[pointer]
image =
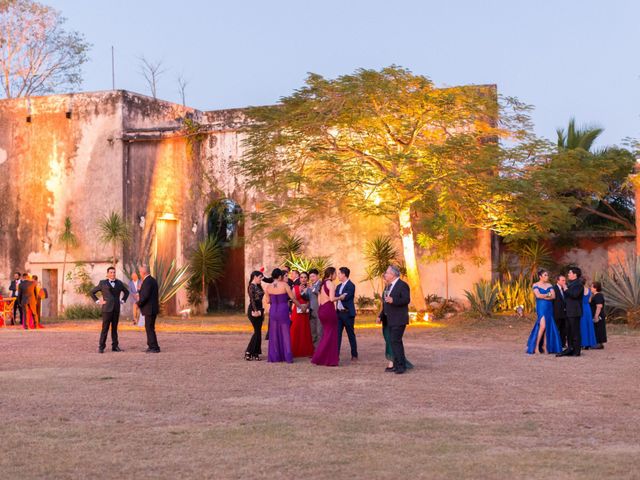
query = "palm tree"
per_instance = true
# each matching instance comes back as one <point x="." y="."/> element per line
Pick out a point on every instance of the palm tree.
<point x="379" y="253"/>
<point x="69" y="240"/>
<point x="113" y="230"/>
<point x="206" y="264"/>
<point x="574" y="138"/>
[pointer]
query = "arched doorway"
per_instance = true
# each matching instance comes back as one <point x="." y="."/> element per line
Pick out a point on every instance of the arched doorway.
<point x="224" y="223"/>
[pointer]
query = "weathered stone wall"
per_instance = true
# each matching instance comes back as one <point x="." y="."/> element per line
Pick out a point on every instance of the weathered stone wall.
<point x="56" y="167"/>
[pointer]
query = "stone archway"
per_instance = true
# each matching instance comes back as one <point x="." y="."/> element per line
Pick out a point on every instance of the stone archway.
<point x="224" y="223"/>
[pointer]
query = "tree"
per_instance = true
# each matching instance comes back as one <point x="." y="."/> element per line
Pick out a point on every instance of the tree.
<point x="573" y="137"/>
<point x="114" y="230"/>
<point x="380" y="143"/>
<point x="37" y="55"/>
<point x="69" y="240"/>
<point x="152" y="71"/>
<point x="182" y="87"/>
<point x="206" y="265"/>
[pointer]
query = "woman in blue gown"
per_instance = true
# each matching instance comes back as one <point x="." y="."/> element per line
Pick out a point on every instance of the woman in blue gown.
<point x="587" y="329"/>
<point x="545" y="331"/>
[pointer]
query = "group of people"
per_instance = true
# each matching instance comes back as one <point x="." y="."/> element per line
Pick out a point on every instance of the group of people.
<point x="114" y="293"/>
<point x="570" y="315"/>
<point x="308" y="315"/>
<point x="28" y="294"/>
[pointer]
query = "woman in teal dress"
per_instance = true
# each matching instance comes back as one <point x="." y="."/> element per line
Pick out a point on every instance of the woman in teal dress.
<point x="388" y="353"/>
<point x="545" y="330"/>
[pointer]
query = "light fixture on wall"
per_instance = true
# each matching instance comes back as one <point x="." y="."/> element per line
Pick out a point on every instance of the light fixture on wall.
<point x="142" y="221"/>
<point x="194" y="228"/>
<point x="28" y="110"/>
<point x="168" y="216"/>
<point x="46" y="245"/>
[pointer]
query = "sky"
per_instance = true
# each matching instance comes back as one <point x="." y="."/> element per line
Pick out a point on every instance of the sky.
<point x="567" y="58"/>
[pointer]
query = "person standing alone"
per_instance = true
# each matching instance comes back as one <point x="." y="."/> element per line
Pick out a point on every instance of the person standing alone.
<point x="149" y="305"/>
<point x="111" y="290"/>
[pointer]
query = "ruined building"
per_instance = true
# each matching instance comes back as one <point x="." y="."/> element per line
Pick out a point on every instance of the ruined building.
<point x="162" y="166"/>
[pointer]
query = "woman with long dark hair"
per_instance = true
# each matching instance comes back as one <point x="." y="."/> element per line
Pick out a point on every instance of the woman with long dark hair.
<point x="544" y="336"/>
<point x="255" y="312"/>
<point x="279" y="321"/>
<point x="597" y="313"/>
<point x="327" y="352"/>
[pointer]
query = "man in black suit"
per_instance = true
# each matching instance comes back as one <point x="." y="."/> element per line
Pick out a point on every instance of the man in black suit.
<point x="28" y="301"/>
<point x="111" y="289"/>
<point x="13" y="288"/>
<point x="345" y="293"/>
<point x="560" y="308"/>
<point x="573" y="296"/>
<point x="149" y="305"/>
<point x="395" y="313"/>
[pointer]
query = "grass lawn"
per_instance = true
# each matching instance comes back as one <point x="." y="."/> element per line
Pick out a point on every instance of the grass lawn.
<point x="474" y="407"/>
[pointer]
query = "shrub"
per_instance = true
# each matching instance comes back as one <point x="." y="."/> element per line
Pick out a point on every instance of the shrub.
<point x="365" y="302"/>
<point x="512" y="293"/>
<point x="81" y="312"/>
<point x="482" y="298"/>
<point x="621" y="289"/>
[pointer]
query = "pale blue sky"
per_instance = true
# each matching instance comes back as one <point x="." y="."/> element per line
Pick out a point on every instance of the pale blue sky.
<point x="572" y="57"/>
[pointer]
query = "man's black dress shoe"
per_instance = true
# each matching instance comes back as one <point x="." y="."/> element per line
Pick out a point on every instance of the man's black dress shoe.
<point x="117" y="349"/>
<point x="101" y="350"/>
<point x="400" y="372"/>
<point x="390" y="369"/>
<point x="152" y="350"/>
<point x="565" y="353"/>
<point x="599" y="347"/>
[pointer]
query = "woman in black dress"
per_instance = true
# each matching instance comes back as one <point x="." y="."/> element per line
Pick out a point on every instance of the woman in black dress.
<point x="597" y="312"/>
<point x="255" y="312"/>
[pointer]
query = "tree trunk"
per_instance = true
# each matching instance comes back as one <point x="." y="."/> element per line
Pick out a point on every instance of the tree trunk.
<point x="411" y="263"/>
<point x="64" y="267"/>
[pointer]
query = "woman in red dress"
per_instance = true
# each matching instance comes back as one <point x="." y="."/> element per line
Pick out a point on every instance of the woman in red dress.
<point x="301" y="342"/>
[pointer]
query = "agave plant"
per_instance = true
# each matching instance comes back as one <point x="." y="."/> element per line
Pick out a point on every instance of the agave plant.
<point x="621" y="288"/>
<point x="304" y="264"/>
<point x="514" y="293"/>
<point x="170" y="278"/>
<point x="482" y="298"/>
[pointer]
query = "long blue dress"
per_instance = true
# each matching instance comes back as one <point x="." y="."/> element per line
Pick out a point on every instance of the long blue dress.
<point x="587" y="329"/>
<point x="279" y="324"/>
<point x="544" y="308"/>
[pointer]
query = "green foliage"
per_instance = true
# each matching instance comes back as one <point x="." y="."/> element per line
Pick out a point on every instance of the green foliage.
<point x="113" y="230"/>
<point x="68" y="238"/>
<point x="304" y="264"/>
<point x="621" y="289"/>
<point x="532" y="256"/>
<point x="379" y="254"/>
<point x="482" y="298"/>
<point x="575" y="137"/>
<point x="289" y="246"/>
<point x="206" y="265"/>
<point x="81" y="279"/>
<point x="363" y="302"/>
<point x="512" y="293"/>
<point x="82" y="312"/>
<point x="170" y="278"/>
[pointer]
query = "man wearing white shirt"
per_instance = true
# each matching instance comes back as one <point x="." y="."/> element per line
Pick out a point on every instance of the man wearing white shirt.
<point x="346" y="292"/>
<point x="111" y="289"/>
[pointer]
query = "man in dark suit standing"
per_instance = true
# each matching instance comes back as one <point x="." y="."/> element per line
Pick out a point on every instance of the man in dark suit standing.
<point x="573" y="296"/>
<point x="149" y="305"/>
<point x="28" y="301"/>
<point x="111" y="289"/>
<point x="346" y="292"/>
<point x="560" y="308"/>
<point x="395" y="313"/>
<point x="13" y="288"/>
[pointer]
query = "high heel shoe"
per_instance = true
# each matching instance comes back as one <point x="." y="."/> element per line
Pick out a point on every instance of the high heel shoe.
<point x="248" y="357"/>
<point x="257" y="358"/>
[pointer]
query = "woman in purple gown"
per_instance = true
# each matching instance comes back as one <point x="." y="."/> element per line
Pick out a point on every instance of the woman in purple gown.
<point x="279" y="321"/>
<point x="327" y="351"/>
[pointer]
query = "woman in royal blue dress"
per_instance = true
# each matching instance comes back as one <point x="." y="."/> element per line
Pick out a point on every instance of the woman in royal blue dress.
<point x="587" y="330"/>
<point x="544" y="337"/>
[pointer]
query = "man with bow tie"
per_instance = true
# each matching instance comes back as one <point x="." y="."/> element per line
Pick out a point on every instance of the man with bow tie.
<point x="111" y="289"/>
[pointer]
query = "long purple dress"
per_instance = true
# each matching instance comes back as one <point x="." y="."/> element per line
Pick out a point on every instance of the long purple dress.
<point x="279" y="324"/>
<point x="327" y="352"/>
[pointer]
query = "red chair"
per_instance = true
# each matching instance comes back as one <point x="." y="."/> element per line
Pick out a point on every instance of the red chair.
<point x="2" y="302"/>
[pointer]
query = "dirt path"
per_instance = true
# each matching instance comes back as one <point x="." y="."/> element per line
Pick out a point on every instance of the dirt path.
<point x="474" y="407"/>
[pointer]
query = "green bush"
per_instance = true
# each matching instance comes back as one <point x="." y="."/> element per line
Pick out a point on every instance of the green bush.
<point x="365" y="302"/>
<point x="515" y="292"/>
<point x="482" y="298"/>
<point x="81" y="312"/>
<point x="621" y="289"/>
